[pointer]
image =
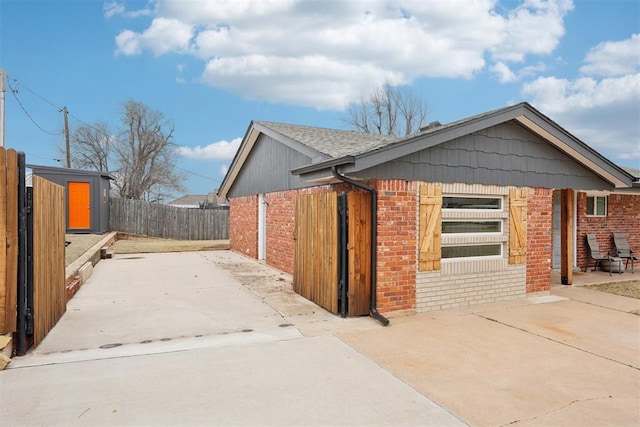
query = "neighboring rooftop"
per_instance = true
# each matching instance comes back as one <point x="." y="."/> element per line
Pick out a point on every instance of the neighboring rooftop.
<point x="196" y="200"/>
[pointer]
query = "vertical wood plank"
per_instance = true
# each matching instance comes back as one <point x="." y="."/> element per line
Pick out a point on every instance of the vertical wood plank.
<point x="316" y="249"/>
<point x="12" y="242"/>
<point x="430" y="239"/>
<point x="517" y="225"/>
<point x="359" y="247"/>
<point x="49" y="297"/>
<point x="4" y="285"/>
<point x="566" y="236"/>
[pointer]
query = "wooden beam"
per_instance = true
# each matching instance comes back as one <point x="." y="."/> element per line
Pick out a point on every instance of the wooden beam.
<point x="567" y="239"/>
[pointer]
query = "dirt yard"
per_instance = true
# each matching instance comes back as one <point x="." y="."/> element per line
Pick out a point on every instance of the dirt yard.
<point x="128" y="244"/>
<point x="630" y="288"/>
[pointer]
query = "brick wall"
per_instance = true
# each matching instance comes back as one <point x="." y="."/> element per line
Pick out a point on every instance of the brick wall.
<point x="448" y="288"/>
<point x="539" y="239"/>
<point x="397" y="234"/>
<point x="280" y="228"/>
<point x="463" y="283"/>
<point x="243" y="225"/>
<point x="623" y="216"/>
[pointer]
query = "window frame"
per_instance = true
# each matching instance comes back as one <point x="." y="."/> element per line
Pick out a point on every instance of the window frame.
<point x="454" y="240"/>
<point x="595" y="198"/>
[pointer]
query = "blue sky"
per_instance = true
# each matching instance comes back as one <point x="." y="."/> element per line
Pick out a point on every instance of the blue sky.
<point x="213" y="66"/>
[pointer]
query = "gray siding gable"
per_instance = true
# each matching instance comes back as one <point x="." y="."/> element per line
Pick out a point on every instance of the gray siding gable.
<point x="505" y="154"/>
<point x="267" y="167"/>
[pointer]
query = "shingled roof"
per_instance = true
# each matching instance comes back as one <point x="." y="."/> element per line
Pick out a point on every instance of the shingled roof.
<point x="332" y="142"/>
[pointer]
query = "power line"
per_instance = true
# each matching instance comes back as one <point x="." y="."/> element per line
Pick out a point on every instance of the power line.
<point x="39" y="96"/>
<point x="14" y="92"/>
<point x="197" y="174"/>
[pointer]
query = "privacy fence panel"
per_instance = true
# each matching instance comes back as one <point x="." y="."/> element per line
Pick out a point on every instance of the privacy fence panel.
<point x="8" y="239"/>
<point x="169" y="222"/>
<point x="49" y="296"/>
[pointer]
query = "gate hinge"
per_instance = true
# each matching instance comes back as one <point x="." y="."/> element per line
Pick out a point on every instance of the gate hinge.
<point x="29" y="318"/>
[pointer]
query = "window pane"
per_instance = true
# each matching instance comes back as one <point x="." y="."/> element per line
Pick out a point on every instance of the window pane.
<point x="471" y="227"/>
<point x="470" y="251"/>
<point x="590" y="205"/>
<point x="471" y="203"/>
<point x="601" y="208"/>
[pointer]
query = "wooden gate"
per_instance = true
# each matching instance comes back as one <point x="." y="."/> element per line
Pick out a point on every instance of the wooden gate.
<point x="49" y="297"/>
<point x="8" y="239"/>
<point x="359" y="250"/>
<point x="315" y="270"/>
<point x="317" y="251"/>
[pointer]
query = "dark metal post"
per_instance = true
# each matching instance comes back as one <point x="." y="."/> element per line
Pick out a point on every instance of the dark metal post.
<point x="21" y="332"/>
<point x="343" y="253"/>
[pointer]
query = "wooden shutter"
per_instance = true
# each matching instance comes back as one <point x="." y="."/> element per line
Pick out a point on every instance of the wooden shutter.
<point x="430" y="227"/>
<point x="517" y="225"/>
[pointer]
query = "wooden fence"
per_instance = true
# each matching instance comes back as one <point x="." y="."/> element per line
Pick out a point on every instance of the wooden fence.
<point x="49" y="296"/>
<point x="8" y="239"/>
<point x="169" y="222"/>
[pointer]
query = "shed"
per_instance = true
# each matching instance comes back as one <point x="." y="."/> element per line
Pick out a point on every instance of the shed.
<point x="86" y="195"/>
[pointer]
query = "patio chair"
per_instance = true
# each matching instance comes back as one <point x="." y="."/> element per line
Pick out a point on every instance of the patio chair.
<point x="598" y="257"/>
<point x="623" y="250"/>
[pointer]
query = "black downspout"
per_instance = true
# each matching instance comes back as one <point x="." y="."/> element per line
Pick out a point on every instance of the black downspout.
<point x="374" y="240"/>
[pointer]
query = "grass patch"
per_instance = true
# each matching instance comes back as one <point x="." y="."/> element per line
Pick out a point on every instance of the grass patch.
<point x="630" y="288"/>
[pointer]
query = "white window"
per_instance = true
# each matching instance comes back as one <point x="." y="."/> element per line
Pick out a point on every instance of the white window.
<point x="472" y="226"/>
<point x="596" y="205"/>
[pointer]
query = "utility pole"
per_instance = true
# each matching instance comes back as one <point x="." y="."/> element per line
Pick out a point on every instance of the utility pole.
<point x="66" y="135"/>
<point x="3" y="91"/>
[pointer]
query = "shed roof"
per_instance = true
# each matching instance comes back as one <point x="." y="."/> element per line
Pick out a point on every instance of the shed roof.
<point x="38" y="169"/>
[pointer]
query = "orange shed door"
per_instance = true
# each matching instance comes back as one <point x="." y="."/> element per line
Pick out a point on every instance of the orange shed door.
<point x="79" y="205"/>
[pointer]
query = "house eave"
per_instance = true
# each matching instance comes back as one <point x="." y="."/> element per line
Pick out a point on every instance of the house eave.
<point x="522" y="113"/>
<point x="340" y="161"/>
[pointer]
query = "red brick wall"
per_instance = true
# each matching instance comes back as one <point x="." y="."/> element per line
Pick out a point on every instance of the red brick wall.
<point x="280" y="228"/>
<point x="623" y="216"/>
<point x="243" y="225"/>
<point x="539" y="239"/>
<point x="397" y="234"/>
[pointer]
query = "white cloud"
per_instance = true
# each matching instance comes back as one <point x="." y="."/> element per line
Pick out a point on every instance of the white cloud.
<point x="325" y="54"/>
<point x="221" y="150"/>
<point x="163" y="36"/>
<point x="505" y="74"/>
<point x="113" y="8"/>
<point x="534" y="27"/>
<point x="223" y="170"/>
<point x="614" y="58"/>
<point x="602" y="113"/>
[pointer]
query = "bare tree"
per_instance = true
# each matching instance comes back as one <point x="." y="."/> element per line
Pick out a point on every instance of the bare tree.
<point x="387" y="110"/>
<point x="141" y="156"/>
<point x="91" y="147"/>
<point x="145" y="153"/>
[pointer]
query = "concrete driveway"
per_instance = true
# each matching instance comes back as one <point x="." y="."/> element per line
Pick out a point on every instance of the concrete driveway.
<point x="202" y="338"/>
<point x="215" y="338"/>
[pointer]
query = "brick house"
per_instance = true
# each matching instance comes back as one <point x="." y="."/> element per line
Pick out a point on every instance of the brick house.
<point x="456" y="215"/>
